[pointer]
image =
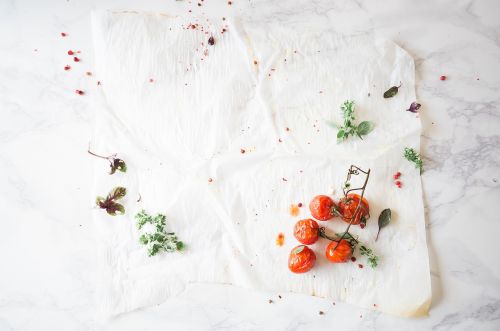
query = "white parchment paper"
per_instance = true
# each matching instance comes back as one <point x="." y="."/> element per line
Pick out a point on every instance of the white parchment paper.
<point x="179" y="111"/>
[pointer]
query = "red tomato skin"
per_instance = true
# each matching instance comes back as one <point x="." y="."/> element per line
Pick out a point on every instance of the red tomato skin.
<point x="347" y="209"/>
<point x="321" y="207"/>
<point x="306" y="231"/>
<point x="342" y="254"/>
<point x="301" y="261"/>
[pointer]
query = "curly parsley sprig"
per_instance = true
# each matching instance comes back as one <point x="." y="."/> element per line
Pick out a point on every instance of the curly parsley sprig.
<point x="160" y="240"/>
<point x="350" y="128"/>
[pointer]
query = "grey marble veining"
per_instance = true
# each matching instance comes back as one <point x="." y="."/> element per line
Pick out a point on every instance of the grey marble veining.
<point x="46" y="246"/>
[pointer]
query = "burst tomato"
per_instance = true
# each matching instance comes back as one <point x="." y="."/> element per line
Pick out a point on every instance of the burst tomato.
<point x="301" y="259"/>
<point x="347" y="207"/>
<point x="341" y="254"/>
<point x="322" y="207"/>
<point x="306" y="231"/>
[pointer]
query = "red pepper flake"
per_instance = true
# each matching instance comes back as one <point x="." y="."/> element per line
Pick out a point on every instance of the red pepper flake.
<point x="242" y="151"/>
<point x="284" y="179"/>
<point x="375" y="305"/>
<point x="360" y="266"/>
<point x="193" y="26"/>
<point x="353" y="259"/>
<point x="151" y="80"/>
<point x="255" y="62"/>
<point x="63" y="34"/>
<point x="300" y="204"/>
<point x="211" y="41"/>
<point x="280" y="239"/>
<point x="98" y="82"/>
<point x="287" y="129"/>
<point x="442" y="78"/>
<point x="67" y="67"/>
<point x="88" y="73"/>
<point x="80" y="92"/>
<point x="70" y="52"/>
<point x="76" y="59"/>
<point x="210" y="180"/>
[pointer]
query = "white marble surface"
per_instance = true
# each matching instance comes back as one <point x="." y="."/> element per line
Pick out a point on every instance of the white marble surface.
<point x="46" y="246"/>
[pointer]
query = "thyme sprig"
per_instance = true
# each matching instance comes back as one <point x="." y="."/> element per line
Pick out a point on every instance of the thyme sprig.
<point x="159" y="240"/>
<point x="411" y="155"/>
<point x="372" y="258"/>
<point x="350" y="128"/>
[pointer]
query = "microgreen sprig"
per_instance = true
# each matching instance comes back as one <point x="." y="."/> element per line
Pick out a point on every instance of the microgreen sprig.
<point x="114" y="162"/>
<point x="350" y="128"/>
<point x="372" y="258"/>
<point x="109" y="203"/>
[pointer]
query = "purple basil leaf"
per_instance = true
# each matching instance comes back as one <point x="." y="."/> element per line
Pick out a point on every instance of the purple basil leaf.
<point x="414" y="107"/>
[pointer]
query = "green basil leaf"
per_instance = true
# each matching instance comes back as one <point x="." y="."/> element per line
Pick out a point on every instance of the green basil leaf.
<point x="383" y="220"/>
<point x="365" y="128"/>
<point x="391" y="92"/>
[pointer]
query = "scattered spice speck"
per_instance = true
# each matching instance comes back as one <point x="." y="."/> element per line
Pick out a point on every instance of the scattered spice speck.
<point x="151" y="80"/>
<point x="284" y="179"/>
<point x="279" y="296"/>
<point x="255" y="62"/>
<point x="321" y="312"/>
<point x="398" y="183"/>
<point x="210" y="180"/>
<point x="67" y="67"/>
<point x="70" y="52"/>
<point x="88" y="73"/>
<point x="76" y="59"/>
<point x="299" y="204"/>
<point x="242" y="151"/>
<point x="229" y="3"/>
<point x="397" y="175"/>
<point x="287" y="129"/>
<point x="63" y="34"/>
<point x="270" y="301"/>
<point x="280" y="239"/>
<point x="442" y="78"/>
<point x="360" y="266"/>
<point x="375" y="305"/>
<point x="80" y="92"/>
<point x="211" y="41"/>
<point x="353" y="259"/>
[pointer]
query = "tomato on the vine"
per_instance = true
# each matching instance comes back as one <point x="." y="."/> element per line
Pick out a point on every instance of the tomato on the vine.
<point x="301" y="259"/>
<point x="322" y="207"/>
<point x="306" y="231"/>
<point x="339" y="252"/>
<point x="347" y="207"/>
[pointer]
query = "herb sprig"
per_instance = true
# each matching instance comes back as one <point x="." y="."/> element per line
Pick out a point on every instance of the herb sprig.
<point x="350" y="128"/>
<point x="411" y="155"/>
<point x="372" y="258"/>
<point x="114" y="162"/>
<point x="160" y="240"/>
<point x="109" y="203"/>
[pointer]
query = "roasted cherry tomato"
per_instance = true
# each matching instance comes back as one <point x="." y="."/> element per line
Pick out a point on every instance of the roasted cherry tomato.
<point x="347" y="207"/>
<point x="306" y="231"/>
<point x="301" y="259"/>
<point x="322" y="207"/>
<point x="341" y="254"/>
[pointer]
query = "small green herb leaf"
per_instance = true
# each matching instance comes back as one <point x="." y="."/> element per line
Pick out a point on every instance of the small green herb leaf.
<point x="392" y="91"/>
<point x="383" y="220"/>
<point x="365" y="128"/>
<point x="114" y="208"/>
<point x="372" y="258"/>
<point x="117" y="193"/>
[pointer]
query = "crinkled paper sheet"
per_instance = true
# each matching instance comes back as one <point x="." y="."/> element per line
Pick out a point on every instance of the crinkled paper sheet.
<point x="190" y="123"/>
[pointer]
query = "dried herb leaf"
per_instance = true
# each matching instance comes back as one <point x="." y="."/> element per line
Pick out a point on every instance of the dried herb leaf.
<point x="364" y="128"/>
<point x="414" y="107"/>
<point x="392" y="91"/>
<point x="383" y="220"/>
